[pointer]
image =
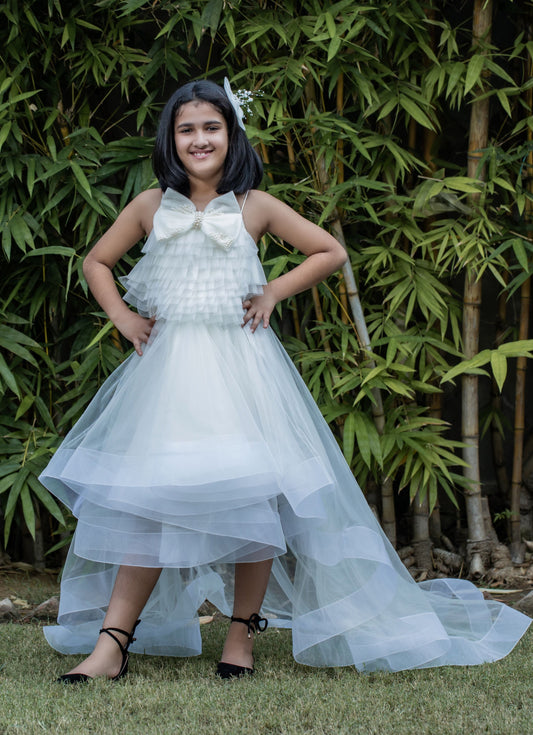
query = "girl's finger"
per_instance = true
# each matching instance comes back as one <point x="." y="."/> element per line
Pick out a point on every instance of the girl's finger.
<point x="256" y="322"/>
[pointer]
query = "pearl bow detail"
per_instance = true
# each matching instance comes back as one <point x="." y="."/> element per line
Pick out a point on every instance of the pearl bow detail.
<point x="221" y="219"/>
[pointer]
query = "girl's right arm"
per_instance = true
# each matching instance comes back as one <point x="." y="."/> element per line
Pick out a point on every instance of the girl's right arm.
<point x="133" y="223"/>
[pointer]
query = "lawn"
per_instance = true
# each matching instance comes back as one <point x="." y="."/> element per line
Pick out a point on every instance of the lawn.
<point x="163" y="695"/>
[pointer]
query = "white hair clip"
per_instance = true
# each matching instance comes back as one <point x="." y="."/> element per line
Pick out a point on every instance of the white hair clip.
<point x="237" y="101"/>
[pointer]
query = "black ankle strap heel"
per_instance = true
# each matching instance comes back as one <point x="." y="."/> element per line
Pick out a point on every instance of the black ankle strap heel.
<point x="79" y="678"/>
<point x="123" y="648"/>
<point x="255" y="624"/>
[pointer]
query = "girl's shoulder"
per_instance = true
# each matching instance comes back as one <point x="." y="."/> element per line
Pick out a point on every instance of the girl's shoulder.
<point x="148" y="200"/>
<point x="260" y="210"/>
<point x="144" y="206"/>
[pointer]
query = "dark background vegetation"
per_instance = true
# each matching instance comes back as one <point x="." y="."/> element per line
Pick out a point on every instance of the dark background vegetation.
<point x="363" y="116"/>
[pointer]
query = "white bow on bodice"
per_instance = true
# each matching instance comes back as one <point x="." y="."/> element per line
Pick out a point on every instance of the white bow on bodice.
<point x="221" y="220"/>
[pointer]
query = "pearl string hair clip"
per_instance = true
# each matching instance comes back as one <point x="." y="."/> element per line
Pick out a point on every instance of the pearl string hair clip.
<point x="241" y="99"/>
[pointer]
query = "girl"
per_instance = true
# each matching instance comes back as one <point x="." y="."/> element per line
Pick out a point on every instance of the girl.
<point x="203" y="457"/>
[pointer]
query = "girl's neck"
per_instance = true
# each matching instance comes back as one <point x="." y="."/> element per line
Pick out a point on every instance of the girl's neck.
<point x="202" y="192"/>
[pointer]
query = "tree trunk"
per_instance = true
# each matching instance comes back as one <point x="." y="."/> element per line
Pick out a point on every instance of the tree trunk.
<point x="478" y="546"/>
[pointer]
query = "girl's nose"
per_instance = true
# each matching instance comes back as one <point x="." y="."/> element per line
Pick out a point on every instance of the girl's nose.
<point x="200" y="138"/>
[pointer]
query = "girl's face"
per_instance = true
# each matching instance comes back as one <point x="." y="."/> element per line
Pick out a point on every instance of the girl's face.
<point x="201" y="139"/>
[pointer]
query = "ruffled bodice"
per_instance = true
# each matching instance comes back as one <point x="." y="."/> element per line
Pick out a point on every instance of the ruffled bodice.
<point x="196" y="265"/>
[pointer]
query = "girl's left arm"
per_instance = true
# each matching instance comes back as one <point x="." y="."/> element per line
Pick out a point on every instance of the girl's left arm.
<point x="264" y="213"/>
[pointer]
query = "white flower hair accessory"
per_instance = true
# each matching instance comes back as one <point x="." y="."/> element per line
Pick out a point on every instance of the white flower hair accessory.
<point x="241" y="99"/>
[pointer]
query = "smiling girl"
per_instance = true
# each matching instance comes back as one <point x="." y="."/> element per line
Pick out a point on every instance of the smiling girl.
<point x="203" y="469"/>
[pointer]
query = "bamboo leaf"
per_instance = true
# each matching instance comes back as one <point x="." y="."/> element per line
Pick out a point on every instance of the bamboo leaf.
<point x="4" y="132"/>
<point x="28" y="511"/>
<point x="416" y="112"/>
<point x="8" y="377"/>
<point x="468" y="366"/>
<point x="7" y="482"/>
<point x="348" y="437"/>
<point x="504" y="101"/>
<point x="108" y="326"/>
<point x="25" y="405"/>
<point x="363" y="439"/>
<point x="81" y="178"/>
<point x="499" y="368"/>
<point x="473" y="71"/>
<point x="464" y="184"/>
<point x="15" y="491"/>
<point x="46" y="499"/>
<point x="520" y="253"/>
<point x="334" y="47"/>
<point x="211" y="15"/>
<point x="51" y="250"/>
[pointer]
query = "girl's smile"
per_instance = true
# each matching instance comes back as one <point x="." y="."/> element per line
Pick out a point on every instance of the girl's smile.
<point x="201" y="139"/>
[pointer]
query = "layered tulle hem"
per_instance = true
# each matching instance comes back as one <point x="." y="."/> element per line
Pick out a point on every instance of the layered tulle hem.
<point x="204" y="466"/>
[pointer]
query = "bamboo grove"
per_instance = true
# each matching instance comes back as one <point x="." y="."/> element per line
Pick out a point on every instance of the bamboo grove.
<point x="403" y="127"/>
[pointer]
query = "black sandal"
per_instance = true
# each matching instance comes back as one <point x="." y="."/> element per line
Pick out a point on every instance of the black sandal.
<point x="255" y="624"/>
<point x="79" y="678"/>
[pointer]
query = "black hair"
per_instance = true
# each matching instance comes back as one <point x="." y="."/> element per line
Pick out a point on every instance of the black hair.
<point x="243" y="169"/>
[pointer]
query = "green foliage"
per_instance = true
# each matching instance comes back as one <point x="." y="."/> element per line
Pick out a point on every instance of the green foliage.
<point x="350" y="99"/>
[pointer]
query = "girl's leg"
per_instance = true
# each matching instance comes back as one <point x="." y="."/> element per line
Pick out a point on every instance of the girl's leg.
<point x="251" y="581"/>
<point x="133" y="586"/>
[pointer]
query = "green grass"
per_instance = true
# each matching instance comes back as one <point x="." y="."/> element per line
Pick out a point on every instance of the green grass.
<point x="163" y="695"/>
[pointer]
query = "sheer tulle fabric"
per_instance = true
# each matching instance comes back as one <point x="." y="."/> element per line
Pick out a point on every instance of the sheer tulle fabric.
<point x="209" y="450"/>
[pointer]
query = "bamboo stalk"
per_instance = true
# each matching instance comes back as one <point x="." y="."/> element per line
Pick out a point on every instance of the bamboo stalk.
<point x="517" y="547"/>
<point x="425" y="525"/>
<point x="498" y="449"/>
<point x="388" y="511"/>
<point x="292" y="165"/>
<point x="340" y="179"/>
<point x="434" y="520"/>
<point x="314" y="290"/>
<point x="421" y="541"/>
<point x="477" y="543"/>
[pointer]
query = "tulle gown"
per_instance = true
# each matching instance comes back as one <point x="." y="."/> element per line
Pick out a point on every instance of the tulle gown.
<point x="209" y="450"/>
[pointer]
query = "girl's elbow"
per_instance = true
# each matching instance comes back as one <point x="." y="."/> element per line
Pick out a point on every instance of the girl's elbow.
<point x="86" y="265"/>
<point x="341" y="257"/>
<point x="337" y="253"/>
<point x="89" y="264"/>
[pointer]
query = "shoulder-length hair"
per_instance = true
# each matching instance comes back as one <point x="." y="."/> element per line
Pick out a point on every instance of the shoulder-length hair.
<point x="243" y="169"/>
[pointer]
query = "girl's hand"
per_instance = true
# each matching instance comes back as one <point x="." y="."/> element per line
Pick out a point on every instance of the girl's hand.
<point x="257" y="309"/>
<point x="135" y="328"/>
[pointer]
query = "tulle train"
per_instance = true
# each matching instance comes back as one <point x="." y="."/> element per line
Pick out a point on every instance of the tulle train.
<point x="207" y="465"/>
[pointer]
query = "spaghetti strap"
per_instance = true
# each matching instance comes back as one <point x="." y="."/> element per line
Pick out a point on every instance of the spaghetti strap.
<point x="244" y="200"/>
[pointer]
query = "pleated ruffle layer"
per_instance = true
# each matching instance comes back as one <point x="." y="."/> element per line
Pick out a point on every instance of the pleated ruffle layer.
<point x="199" y="276"/>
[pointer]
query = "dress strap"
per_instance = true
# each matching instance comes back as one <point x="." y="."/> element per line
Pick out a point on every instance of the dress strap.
<point x="244" y="200"/>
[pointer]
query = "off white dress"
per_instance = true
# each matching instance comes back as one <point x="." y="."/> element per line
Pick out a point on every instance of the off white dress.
<point x="210" y="450"/>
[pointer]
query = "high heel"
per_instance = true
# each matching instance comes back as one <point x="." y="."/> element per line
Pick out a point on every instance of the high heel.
<point x="255" y="624"/>
<point x="79" y="678"/>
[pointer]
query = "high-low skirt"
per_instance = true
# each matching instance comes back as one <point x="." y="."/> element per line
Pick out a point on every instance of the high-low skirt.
<point x="209" y="450"/>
